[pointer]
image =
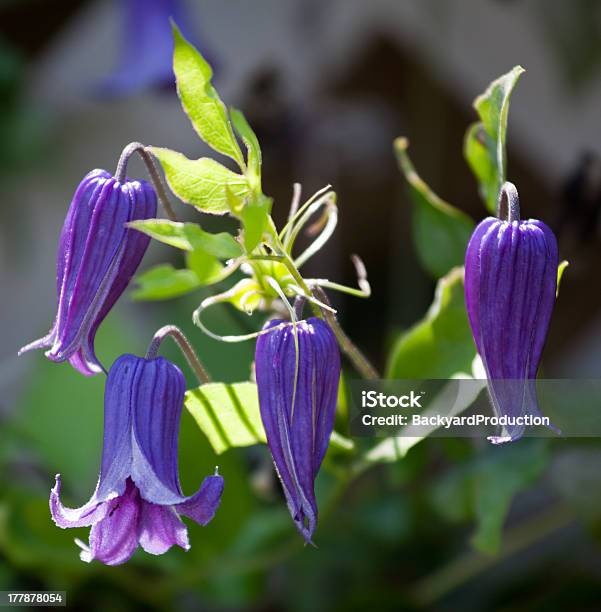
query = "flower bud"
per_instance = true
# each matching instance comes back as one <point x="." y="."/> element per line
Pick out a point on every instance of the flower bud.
<point x="297" y="370"/>
<point x="510" y="286"/>
<point x="97" y="256"/>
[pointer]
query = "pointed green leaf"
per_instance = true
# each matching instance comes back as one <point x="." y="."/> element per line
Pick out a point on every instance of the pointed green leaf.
<point x="254" y="220"/>
<point x="483" y="488"/>
<point x="201" y="101"/>
<point x="252" y="146"/>
<point x="201" y="182"/>
<point x="208" y="269"/>
<point x="441" y="344"/>
<point x="484" y="146"/>
<point x="227" y="414"/>
<point x="189" y="237"/>
<point x="497" y="479"/>
<point x="440" y="231"/>
<point x="164" y="282"/>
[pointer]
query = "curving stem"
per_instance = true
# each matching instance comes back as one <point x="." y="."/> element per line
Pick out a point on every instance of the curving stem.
<point x="185" y="347"/>
<point x="155" y="177"/>
<point x="508" y="206"/>
<point x="359" y="360"/>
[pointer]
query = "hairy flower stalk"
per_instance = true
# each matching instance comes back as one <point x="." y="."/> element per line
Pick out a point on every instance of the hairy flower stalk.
<point x="297" y="370"/>
<point x="510" y="286"/>
<point x="138" y="498"/>
<point x="97" y="257"/>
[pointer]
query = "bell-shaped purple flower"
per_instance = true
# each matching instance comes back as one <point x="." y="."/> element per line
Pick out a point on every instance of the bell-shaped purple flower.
<point x="297" y="370"/>
<point x="146" y="54"/>
<point x="138" y="498"/>
<point x="510" y="286"/>
<point x="97" y="256"/>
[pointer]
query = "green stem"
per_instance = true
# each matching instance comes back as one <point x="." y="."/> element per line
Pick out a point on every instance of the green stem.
<point x="285" y="259"/>
<point x="358" y="359"/>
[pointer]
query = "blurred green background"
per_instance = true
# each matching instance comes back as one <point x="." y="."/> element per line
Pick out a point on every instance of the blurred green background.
<point x="327" y="85"/>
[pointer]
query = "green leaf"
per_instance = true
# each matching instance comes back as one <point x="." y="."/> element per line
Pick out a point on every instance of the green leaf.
<point x="483" y="488"/>
<point x="484" y="146"/>
<point x="189" y="237"/>
<point x="201" y="101"/>
<point x="440" y="231"/>
<point x="246" y="295"/>
<point x="164" y="282"/>
<point x="496" y="480"/>
<point x="208" y="269"/>
<point x="254" y="217"/>
<point x="441" y="344"/>
<point x="227" y="414"/>
<point x="201" y="182"/>
<point x="252" y="146"/>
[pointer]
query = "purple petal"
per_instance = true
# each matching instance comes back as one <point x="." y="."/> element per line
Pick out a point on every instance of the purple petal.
<point x="117" y="445"/>
<point x="510" y="284"/>
<point x="202" y="506"/>
<point x="97" y="257"/>
<point x="146" y="58"/>
<point x="157" y="396"/>
<point x="114" y="539"/>
<point x="85" y="516"/>
<point x="161" y="528"/>
<point x="297" y="397"/>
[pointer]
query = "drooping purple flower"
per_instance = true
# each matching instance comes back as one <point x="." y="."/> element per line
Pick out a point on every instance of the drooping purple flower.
<point x="510" y="286"/>
<point x="97" y="256"/>
<point x="297" y="370"/>
<point x="138" y="498"/>
<point x="146" y="55"/>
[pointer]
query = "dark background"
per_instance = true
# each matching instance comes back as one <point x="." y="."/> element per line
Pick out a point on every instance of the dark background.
<point x="327" y="86"/>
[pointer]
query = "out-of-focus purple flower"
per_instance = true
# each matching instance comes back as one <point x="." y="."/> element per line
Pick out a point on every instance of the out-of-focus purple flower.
<point x="97" y="256"/>
<point x="297" y="369"/>
<point x="138" y="498"/>
<point x="510" y="286"/>
<point x="146" y="57"/>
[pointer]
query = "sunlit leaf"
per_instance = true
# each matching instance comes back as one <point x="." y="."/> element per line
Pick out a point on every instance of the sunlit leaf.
<point x="208" y="268"/>
<point x="254" y="217"/>
<point x="201" y="101"/>
<point x="440" y="231"/>
<point x="227" y="414"/>
<point x="164" y="282"/>
<point x="484" y="146"/>
<point x="252" y="146"/>
<point x="201" y="182"/>
<point x="189" y="237"/>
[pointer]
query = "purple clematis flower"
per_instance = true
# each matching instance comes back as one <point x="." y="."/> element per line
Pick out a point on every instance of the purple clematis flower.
<point x="138" y="498"/>
<point x="146" y="58"/>
<point x="510" y="286"/>
<point x="297" y="369"/>
<point x="97" y="256"/>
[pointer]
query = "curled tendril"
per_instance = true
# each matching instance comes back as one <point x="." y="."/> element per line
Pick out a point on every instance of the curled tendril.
<point x="327" y="223"/>
<point x="364" y="290"/>
<point x="311" y="298"/>
<point x="296" y="212"/>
